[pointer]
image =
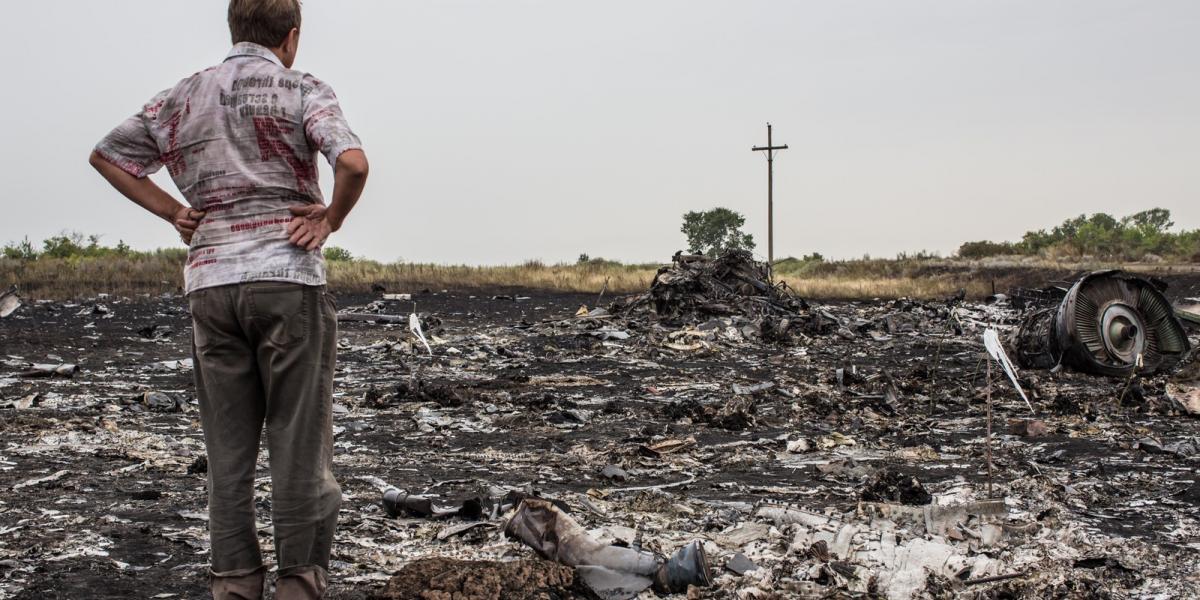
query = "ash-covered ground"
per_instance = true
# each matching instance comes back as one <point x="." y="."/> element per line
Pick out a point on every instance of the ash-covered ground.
<point x="847" y="460"/>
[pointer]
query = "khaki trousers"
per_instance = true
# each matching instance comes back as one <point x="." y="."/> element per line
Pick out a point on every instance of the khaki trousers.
<point x="264" y="356"/>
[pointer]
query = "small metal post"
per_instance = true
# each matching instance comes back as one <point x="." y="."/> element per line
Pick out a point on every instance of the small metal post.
<point x="989" y="428"/>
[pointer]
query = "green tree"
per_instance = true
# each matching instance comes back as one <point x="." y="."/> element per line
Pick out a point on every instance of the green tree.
<point x="1035" y="241"/>
<point x="1156" y="220"/>
<point x="1098" y="235"/>
<point x="1147" y="232"/>
<point x="1102" y="236"/>
<point x="716" y="231"/>
<point x="22" y="250"/>
<point x="69" y="245"/>
<point x="335" y="253"/>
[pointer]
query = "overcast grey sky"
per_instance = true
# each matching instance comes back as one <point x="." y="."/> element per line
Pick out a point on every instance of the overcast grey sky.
<point x="500" y="131"/>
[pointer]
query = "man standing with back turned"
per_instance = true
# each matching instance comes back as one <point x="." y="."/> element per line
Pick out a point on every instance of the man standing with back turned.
<point x="240" y="141"/>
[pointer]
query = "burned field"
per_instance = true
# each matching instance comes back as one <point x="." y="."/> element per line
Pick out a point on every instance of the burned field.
<point x="811" y="449"/>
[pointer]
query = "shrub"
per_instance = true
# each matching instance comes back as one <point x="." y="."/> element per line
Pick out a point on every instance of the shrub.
<point x="334" y="253"/>
<point x="22" y="250"/>
<point x="985" y="249"/>
<point x="1101" y="236"/>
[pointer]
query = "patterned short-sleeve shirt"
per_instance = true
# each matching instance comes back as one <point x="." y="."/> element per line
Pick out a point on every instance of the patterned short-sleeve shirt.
<point x="240" y="141"/>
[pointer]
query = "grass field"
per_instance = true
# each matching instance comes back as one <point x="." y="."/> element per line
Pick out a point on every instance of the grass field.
<point x="58" y="278"/>
<point x="61" y="278"/>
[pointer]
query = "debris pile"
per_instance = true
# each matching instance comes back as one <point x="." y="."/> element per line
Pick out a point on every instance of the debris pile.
<point x="695" y="290"/>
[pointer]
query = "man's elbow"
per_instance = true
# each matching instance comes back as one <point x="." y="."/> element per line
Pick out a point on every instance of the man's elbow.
<point x="96" y="160"/>
<point x="353" y="164"/>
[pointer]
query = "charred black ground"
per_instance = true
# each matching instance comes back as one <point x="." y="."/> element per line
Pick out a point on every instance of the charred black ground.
<point x="102" y="486"/>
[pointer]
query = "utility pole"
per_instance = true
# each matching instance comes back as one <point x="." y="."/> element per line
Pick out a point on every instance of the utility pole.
<point x="770" y="149"/>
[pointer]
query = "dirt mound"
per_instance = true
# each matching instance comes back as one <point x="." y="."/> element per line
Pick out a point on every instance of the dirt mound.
<point x="448" y="579"/>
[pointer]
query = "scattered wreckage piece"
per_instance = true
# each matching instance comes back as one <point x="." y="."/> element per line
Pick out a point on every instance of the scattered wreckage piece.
<point x="161" y="402"/>
<point x="397" y="502"/>
<point x="9" y="302"/>
<point x="880" y="554"/>
<point x="40" y="480"/>
<point x="348" y="317"/>
<point x="610" y="572"/>
<point x="1190" y="312"/>
<point x="1110" y="323"/>
<point x="50" y="370"/>
<point x="23" y="403"/>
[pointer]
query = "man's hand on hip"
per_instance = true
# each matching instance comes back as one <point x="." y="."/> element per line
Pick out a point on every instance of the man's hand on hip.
<point x="309" y="228"/>
<point x="186" y="220"/>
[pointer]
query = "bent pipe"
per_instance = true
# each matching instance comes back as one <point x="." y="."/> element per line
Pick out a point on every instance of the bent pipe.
<point x="556" y="536"/>
<point x="613" y="572"/>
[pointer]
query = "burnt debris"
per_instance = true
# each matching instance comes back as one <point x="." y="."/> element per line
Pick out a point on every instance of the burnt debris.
<point x="695" y="289"/>
<point x="610" y="572"/>
<point x="857" y="464"/>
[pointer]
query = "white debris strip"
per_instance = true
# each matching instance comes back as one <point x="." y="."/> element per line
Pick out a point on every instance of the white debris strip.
<point x="991" y="341"/>
<point x="40" y="480"/>
<point x="414" y="325"/>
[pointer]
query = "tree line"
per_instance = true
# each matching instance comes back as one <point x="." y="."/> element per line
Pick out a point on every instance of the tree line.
<point x="1140" y="236"/>
<point x="1146" y="235"/>
<point x="73" y="245"/>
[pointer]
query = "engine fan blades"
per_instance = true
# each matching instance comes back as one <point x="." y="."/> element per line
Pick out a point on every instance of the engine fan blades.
<point x="1107" y="322"/>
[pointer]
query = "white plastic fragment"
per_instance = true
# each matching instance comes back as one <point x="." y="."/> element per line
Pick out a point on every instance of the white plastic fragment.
<point x="991" y="341"/>
<point x="414" y="325"/>
<point x="40" y="480"/>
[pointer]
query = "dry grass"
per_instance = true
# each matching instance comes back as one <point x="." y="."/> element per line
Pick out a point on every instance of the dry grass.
<point x="942" y="277"/>
<point x="856" y="288"/>
<point x="361" y="275"/>
<point x="60" y="278"/>
<point x="917" y="278"/>
<point x="52" y="278"/>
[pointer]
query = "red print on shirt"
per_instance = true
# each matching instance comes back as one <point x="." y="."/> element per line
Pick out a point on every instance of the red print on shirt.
<point x="173" y="158"/>
<point x="271" y="144"/>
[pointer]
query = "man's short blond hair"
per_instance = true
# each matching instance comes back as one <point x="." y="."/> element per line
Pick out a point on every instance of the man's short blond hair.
<point x="263" y="22"/>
